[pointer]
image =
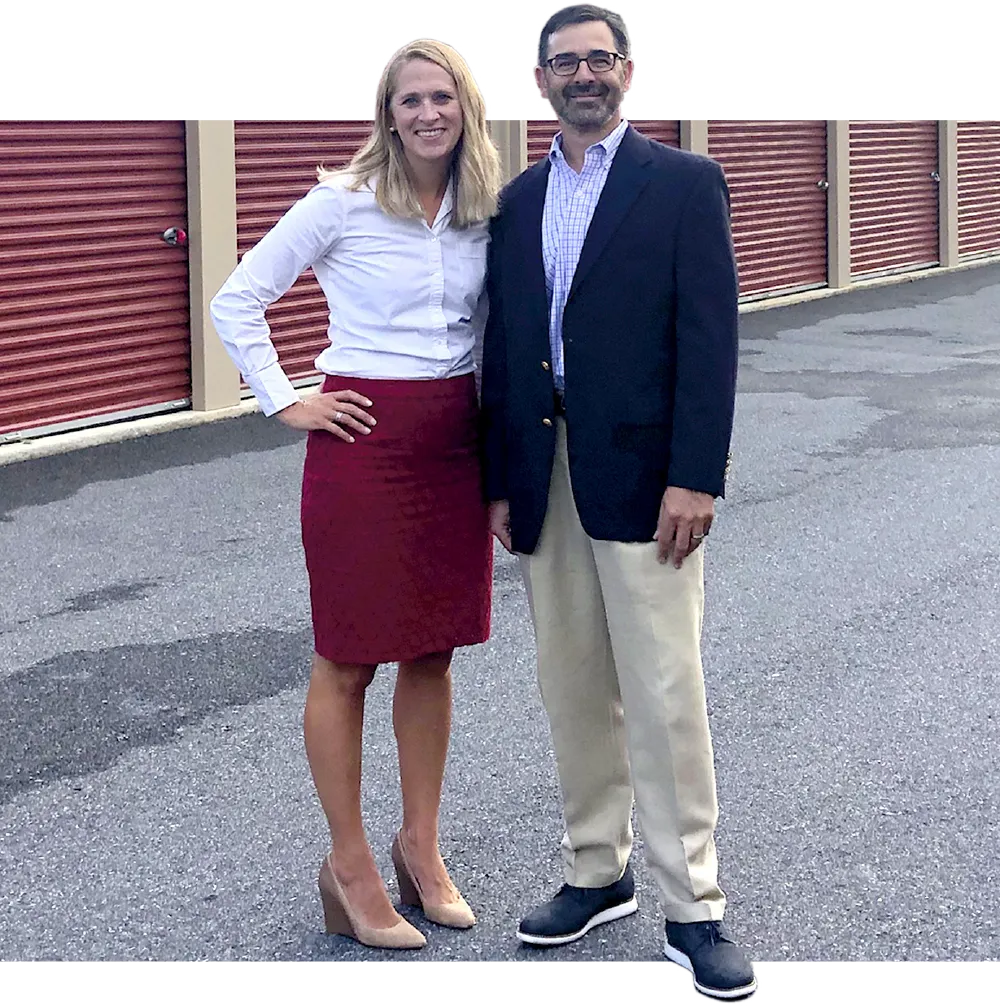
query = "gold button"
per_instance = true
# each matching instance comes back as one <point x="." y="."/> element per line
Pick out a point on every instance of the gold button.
<point x="545" y="364"/>
<point x="546" y="422"/>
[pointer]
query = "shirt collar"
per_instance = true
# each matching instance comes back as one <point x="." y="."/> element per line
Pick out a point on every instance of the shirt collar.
<point x="610" y="143"/>
<point x="447" y="202"/>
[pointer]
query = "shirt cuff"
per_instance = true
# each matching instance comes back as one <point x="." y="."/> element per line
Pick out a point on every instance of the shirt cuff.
<point x="273" y="389"/>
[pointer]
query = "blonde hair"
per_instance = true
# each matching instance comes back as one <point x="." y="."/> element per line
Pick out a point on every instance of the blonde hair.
<point x="476" y="163"/>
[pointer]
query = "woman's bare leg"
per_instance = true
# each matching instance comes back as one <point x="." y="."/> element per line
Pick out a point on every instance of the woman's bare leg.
<point x="334" y="716"/>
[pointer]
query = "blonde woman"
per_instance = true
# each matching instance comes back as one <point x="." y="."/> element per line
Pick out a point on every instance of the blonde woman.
<point x="394" y="524"/>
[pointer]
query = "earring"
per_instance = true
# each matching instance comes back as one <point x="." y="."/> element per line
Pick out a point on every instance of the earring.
<point x="392" y="129"/>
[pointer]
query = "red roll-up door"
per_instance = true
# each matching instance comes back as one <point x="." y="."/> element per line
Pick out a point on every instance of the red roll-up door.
<point x="275" y="166"/>
<point x="541" y="131"/>
<point x="978" y="188"/>
<point x="894" y="196"/>
<point x="776" y="173"/>
<point x="95" y="310"/>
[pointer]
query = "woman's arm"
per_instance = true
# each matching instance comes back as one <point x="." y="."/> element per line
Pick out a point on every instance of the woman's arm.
<point x="297" y="240"/>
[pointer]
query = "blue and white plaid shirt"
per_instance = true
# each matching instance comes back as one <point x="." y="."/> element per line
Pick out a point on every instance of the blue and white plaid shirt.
<point x="570" y="201"/>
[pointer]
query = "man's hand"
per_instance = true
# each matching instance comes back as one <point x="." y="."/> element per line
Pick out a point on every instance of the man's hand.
<point x="338" y="412"/>
<point x="685" y="519"/>
<point x="500" y="523"/>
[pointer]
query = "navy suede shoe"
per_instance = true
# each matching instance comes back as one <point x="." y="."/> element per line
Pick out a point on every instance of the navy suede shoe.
<point x="719" y="966"/>
<point x="574" y="911"/>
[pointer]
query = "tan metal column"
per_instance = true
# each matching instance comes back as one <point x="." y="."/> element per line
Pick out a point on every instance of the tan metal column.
<point x="948" y="189"/>
<point x="511" y="138"/>
<point x="694" y="135"/>
<point x="838" y="196"/>
<point x="211" y="172"/>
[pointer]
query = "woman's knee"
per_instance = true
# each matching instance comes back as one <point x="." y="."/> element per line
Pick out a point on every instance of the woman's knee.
<point x="351" y="679"/>
<point x="431" y="664"/>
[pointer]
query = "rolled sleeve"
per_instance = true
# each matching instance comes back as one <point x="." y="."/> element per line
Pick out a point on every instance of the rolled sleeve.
<point x="302" y="236"/>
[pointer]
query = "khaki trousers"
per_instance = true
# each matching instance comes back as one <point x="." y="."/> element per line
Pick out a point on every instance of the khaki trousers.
<point x="619" y="666"/>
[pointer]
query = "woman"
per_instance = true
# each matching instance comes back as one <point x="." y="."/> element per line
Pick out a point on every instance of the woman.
<point x="394" y="525"/>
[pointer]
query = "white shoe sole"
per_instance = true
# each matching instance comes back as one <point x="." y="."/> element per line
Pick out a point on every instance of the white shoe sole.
<point x="678" y="957"/>
<point x="608" y="915"/>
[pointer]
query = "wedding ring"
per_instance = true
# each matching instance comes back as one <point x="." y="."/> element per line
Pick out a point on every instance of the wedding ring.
<point x="337" y="416"/>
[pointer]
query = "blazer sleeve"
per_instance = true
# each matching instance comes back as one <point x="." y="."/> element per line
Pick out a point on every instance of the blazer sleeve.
<point x="706" y="338"/>
<point x="494" y="382"/>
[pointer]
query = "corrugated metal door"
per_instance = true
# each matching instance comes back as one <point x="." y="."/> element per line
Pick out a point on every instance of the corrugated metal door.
<point x="978" y="188"/>
<point x="276" y="165"/>
<point x="541" y="131"/>
<point x="894" y="196"/>
<point x="777" y="182"/>
<point x="94" y="312"/>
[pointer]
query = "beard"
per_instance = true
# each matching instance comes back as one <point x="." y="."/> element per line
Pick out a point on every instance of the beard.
<point x="594" y="114"/>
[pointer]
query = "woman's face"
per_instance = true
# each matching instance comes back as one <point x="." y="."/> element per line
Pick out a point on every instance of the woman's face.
<point x="426" y="112"/>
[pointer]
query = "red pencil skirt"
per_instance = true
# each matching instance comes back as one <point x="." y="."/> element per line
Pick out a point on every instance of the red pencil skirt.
<point x="395" y="528"/>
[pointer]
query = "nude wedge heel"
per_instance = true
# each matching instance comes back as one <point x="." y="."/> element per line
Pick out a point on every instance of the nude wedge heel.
<point x="341" y="921"/>
<point x="454" y="914"/>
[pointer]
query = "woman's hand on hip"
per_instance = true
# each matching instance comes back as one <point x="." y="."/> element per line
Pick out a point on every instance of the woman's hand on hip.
<point x="337" y="412"/>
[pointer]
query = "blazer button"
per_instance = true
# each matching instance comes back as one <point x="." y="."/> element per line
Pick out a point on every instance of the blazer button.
<point x="546" y="422"/>
<point x="545" y="365"/>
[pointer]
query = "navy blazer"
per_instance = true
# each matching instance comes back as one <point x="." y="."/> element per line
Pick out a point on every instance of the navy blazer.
<point x="649" y="338"/>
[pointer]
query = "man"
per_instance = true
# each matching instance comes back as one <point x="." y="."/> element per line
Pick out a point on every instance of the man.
<point x="608" y="391"/>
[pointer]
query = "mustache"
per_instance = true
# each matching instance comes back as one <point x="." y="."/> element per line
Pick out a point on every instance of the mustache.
<point x="589" y="90"/>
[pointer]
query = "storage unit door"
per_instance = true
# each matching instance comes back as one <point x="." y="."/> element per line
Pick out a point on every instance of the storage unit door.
<point x="541" y="131"/>
<point x="894" y="197"/>
<point x="776" y="173"/>
<point x="275" y="166"/>
<point x="978" y="189"/>
<point x="94" y="308"/>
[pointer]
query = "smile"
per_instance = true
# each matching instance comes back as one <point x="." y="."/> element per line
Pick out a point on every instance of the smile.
<point x="429" y="134"/>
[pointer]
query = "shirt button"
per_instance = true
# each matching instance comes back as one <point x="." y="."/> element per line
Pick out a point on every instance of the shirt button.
<point x="546" y="422"/>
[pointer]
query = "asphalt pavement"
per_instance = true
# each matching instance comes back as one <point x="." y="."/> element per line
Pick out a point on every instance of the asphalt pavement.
<point x="155" y="801"/>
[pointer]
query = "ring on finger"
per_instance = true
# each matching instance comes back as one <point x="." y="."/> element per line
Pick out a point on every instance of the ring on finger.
<point x="337" y="416"/>
<point x="698" y="537"/>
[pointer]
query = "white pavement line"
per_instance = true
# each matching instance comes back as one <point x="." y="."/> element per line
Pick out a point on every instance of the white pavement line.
<point x="62" y="443"/>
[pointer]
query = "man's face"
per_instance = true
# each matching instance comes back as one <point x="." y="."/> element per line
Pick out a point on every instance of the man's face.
<point x="586" y="100"/>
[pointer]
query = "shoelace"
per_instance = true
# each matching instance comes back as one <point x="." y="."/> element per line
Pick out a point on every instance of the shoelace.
<point x="713" y="930"/>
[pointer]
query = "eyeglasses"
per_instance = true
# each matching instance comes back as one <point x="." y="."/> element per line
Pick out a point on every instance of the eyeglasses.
<point x="565" y="64"/>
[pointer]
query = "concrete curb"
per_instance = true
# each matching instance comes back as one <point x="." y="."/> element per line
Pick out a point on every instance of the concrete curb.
<point x="62" y="443"/>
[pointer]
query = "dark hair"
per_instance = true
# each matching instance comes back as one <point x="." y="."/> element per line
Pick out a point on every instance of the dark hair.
<point x="579" y="14"/>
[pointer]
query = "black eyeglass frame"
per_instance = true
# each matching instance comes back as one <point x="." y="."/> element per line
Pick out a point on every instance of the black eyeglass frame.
<point x="615" y="56"/>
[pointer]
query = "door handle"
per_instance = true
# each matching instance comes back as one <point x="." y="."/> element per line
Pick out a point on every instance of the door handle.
<point x="174" y="236"/>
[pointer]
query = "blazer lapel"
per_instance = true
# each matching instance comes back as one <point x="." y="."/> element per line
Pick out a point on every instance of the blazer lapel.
<point x="626" y="179"/>
<point x="529" y="228"/>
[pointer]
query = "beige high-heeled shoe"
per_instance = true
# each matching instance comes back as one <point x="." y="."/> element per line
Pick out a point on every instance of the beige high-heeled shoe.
<point x="340" y="919"/>
<point x="456" y="914"/>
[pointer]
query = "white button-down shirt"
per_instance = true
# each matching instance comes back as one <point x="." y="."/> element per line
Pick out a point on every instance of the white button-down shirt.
<point x="570" y="201"/>
<point x="406" y="299"/>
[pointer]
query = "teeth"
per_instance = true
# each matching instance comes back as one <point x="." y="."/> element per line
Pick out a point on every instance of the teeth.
<point x="429" y="132"/>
